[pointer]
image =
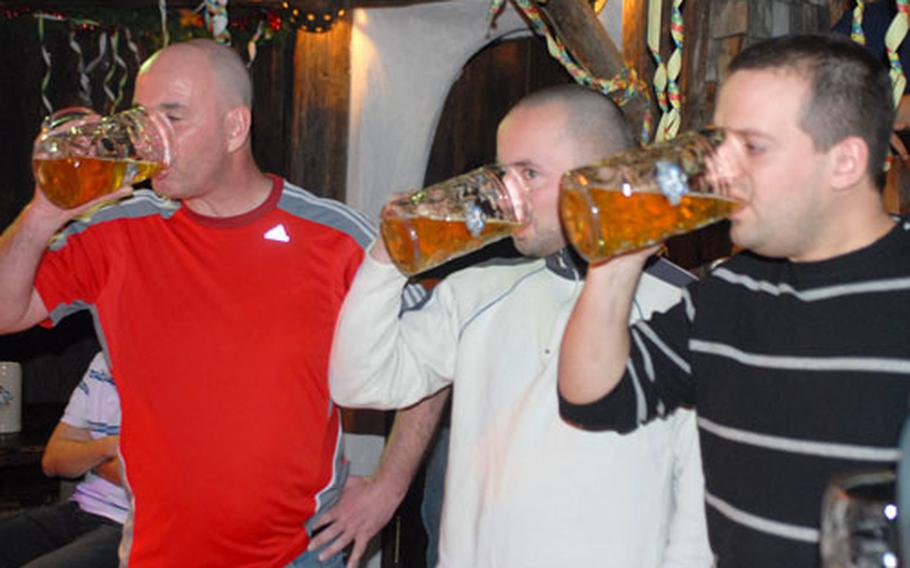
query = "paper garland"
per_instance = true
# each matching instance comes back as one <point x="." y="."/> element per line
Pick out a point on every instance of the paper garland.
<point x="856" y="24"/>
<point x="672" y="114"/>
<point x="895" y="35"/>
<point x="621" y="88"/>
<point x="216" y="20"/>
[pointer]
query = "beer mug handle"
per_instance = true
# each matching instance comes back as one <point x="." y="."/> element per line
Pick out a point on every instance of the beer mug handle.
<point x="726" y="167"/>
<point x="165" y="134"/>
<point x="518" y="194"/>
<point x="68" y="115"/>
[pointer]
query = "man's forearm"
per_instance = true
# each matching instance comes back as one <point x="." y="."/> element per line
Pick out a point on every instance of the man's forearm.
<point x="367" y="504"/>
<point x="66" y="456"/>
<point x="595" y="346"/>
<point x="109" y="470"/>
<point x="21" y="246"/>
<point x="378" y="360"/>
<point x="411" y="434"/>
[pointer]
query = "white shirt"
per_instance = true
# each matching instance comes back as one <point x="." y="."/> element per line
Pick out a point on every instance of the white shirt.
<point x="95" y="406"/>
<point x="523" y="488"/>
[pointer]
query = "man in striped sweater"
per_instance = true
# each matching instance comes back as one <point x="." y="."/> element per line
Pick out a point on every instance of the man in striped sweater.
<point x="794" y="353"/>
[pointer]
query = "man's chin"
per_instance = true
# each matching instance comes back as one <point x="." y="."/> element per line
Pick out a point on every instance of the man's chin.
<point x="522" y="244"/>
<point x="164" y="190"/>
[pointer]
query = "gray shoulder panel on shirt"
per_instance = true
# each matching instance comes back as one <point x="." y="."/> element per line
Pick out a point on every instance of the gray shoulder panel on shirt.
<point x="303" y="204"/>
<point x="142" y="203"/>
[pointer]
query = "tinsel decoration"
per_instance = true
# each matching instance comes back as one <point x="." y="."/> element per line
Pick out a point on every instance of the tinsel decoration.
<point x="216" y="20"/>
<point x="162" y="11"/>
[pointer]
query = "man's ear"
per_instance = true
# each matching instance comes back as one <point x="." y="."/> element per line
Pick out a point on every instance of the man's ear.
<point x="237" y="126"/>
<point x="850" y="162"/>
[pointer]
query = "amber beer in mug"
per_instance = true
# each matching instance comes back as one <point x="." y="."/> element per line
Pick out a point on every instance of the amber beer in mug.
<point x="641" y="197"/>
<point x="80" y="156"/>
<point x="428" y="227"/>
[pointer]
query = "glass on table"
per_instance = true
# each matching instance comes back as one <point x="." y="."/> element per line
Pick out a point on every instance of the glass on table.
<point x="641" y="197"/>
<point x="80" y="155"/>
<point x="860" y="522"/>
<point x="449" y="219"/>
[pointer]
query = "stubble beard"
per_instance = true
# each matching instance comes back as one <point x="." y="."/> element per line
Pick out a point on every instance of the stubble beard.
<point x="536" y="244"/>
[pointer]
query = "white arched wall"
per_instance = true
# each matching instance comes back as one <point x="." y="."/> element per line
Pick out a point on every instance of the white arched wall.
<point x="403" y="63"/>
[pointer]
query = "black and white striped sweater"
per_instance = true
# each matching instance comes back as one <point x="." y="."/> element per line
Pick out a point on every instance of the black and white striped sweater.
<point x="798" y="372"/>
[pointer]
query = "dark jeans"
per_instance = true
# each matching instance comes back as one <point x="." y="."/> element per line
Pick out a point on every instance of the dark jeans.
<point x="58" y="536"/>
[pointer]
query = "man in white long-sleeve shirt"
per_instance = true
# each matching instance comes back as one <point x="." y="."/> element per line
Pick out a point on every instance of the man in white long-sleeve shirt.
<point x="523" y="488"/>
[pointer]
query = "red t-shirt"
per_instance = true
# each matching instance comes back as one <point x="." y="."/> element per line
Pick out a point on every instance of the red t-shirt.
<point x="218" y="333"/>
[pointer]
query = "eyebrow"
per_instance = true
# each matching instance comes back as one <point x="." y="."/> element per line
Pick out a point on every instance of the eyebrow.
<point x="171" y="106"/>
<point x="519" y="163"/>
<point x="751" y="132"/>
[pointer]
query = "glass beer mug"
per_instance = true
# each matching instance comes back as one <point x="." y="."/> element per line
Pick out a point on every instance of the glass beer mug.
<point x="428" y="227"/>
<point x="860" y="522"/>
<point x="80" y="155"/>
<point x="640" y="197"/>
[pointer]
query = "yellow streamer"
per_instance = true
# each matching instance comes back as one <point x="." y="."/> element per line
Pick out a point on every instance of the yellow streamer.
<point x="660" y="73"/>
<point x="895" y="35"/>
<point x="666" y="75"/>
<point x="856" y="25"/>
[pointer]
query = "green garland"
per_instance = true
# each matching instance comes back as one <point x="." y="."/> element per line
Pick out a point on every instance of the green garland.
<point x="245" y="23"/>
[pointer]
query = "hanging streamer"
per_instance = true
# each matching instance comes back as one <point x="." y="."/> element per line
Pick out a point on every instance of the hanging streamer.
<point x="162" y="11"/>
<point x="495" y="8"/>
<point x="102" y="52"/>
<point x="131" y="45"/>
<point x="124" y="71"/>
<point x="895" y="35"/>
<point x="856" y="24"/>
<point x="112" y="68"/>
<point x="251" y="45"/>
<point x="669" y="122"/>
<point x="85" y="87"/>
<point x="216" y="20"/>
<point x="46" y="56"/>
<point x="660" y="71"/>
<point x="621" y="88"/>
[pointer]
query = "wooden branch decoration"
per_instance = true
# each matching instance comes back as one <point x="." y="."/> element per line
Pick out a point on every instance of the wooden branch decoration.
<point x="577" y="26"/>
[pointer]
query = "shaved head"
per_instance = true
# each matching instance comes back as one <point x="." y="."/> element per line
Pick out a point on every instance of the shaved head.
<point x="593" y="122"/>
<point x="547" y="133"/>
<point x="232" y="80"/>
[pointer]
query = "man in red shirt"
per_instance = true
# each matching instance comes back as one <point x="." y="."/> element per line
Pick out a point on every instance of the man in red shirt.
<point x="216" y="305"/>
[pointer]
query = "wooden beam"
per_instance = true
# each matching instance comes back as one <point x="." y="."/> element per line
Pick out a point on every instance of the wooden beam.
<point x="635" y="46"/>
<point x="697" y="92"/>
<point x="318" y="137"/>
<point x="576" y="24"/>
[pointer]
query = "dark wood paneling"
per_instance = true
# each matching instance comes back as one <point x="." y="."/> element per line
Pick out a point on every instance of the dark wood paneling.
<point x="319" y="111"/>
<point x="697" y="92"/>
<point x="272" y="74"/>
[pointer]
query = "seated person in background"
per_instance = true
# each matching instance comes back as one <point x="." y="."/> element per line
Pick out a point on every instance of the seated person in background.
<point x="85" y="530"/>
